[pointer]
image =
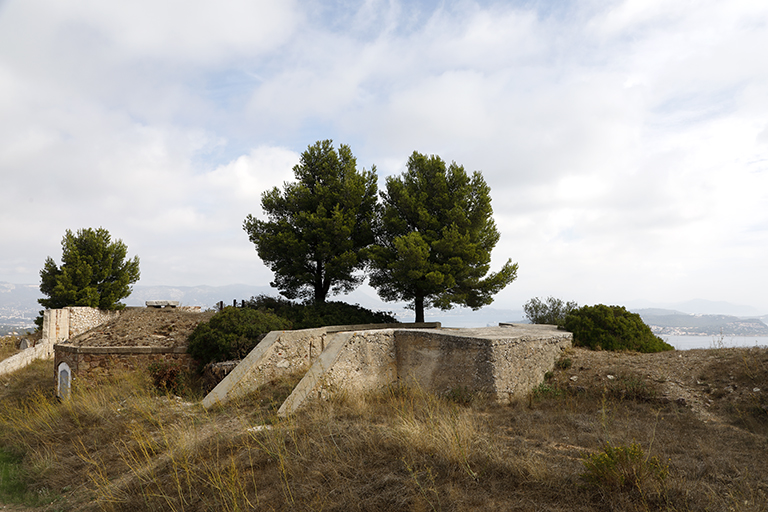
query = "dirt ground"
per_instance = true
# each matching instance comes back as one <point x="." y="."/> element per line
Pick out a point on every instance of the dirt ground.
<point x="147" y="327"/>
<point x="702" y="379"/>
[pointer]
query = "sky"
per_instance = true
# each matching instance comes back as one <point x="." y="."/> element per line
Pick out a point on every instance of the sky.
<point x="625" y="142"/>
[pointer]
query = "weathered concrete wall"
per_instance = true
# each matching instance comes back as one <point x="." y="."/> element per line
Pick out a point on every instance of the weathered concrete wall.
<point x="352" y="360"/>
<point x="55" y="325"/>
<point x="505" y="362"/>
<point x="283" y="353"/>
<point x="438" y="361"/>
<point x="279" y="353"/>
<point x="519" y="364"/>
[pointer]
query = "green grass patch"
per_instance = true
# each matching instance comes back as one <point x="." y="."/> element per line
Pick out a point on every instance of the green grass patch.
<point x="13" y="483"/>
<point x="12" y="487"/>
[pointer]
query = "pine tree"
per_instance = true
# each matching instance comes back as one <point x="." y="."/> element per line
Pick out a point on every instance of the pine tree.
<point x="318" y="227"/>
<point x="435" y="239"/>
<point x="94" y="272"/>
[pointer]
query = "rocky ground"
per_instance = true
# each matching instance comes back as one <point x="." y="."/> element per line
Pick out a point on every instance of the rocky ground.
<point x="166" y="327"/>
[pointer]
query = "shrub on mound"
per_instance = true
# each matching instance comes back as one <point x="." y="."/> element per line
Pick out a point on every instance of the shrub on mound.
<point x="306" y="316"/>
<point x="603" y="327"/>
<point x="232" y="333"/>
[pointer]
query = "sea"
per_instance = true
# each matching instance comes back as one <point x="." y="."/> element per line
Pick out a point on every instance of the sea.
<point x="689" y="342"/>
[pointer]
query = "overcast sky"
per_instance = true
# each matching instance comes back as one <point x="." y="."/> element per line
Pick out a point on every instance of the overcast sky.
<point x="625" y="142"/>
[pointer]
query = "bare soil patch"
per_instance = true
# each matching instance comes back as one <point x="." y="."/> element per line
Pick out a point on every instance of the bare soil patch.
<point x="708" y="381"/>
<point x="147" y="327"/>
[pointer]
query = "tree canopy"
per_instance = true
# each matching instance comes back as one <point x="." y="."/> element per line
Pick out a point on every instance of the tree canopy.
<point x="94" y="272"/>
<point x="318" y="227"/>
<point x="602" y="327"/>
<point x="552" y="312"/>
<point x="435" y="239"/>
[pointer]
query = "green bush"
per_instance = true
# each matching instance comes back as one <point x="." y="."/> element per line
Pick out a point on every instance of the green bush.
<point x="232" y="333"/>
<point x="306" y="316"/>
<point x="603" y="327"/>
<point x="622" y="467"/>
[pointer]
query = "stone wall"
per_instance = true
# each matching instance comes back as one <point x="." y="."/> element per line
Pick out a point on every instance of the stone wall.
<point x="87" y="362"/>
<point x="82" y="319"/>
<point x="282" y="353"/>
<point x="25" y="358"/>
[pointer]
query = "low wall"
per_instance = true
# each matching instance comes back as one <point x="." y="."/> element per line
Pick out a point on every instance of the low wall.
<point x="99" y="361"/>
<point x="26" y="357"/>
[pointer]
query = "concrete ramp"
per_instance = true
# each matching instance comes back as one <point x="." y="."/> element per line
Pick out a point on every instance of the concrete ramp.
<point x="279" y="353"/>
<point x="359" y="361"/>
<point x="313" y="380"/>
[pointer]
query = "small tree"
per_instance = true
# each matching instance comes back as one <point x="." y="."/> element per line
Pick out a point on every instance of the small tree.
<point x="94" y="272"/>
<point x="319" y="226"/>
<point x="436" y="237"/>
<point x="552" y="312"/>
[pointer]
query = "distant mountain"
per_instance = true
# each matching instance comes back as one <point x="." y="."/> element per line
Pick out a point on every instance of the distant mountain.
<point x="700" y="307"/>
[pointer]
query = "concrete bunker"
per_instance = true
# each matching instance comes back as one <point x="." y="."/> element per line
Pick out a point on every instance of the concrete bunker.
<point x="505" y="362"/>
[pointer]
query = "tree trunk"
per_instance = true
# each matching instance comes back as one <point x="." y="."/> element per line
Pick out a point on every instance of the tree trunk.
<point x="418" y="306"/>
<point x="320" y="291"/>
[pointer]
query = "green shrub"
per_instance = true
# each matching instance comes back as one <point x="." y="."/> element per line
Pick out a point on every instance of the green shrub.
<point x="622" y="467"/>
<point x="603" y="327"/>
<point x="306" y="316"/>
<point x="545" y="391"/>
<point x="232" y="333"/>
<point x="167" y="376"/>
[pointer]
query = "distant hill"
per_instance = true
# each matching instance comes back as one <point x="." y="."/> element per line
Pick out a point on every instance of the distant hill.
<point x="676" y="323"/>
<point x="19" y="307"/>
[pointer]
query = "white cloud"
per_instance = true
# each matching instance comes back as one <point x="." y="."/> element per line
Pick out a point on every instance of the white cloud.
<point x="625" y="143"/>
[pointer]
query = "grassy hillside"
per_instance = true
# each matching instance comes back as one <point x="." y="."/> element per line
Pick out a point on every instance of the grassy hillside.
<point x="598" y="434"/>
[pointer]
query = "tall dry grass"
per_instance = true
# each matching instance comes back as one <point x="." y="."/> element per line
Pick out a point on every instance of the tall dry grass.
<point x="119" y="444"/>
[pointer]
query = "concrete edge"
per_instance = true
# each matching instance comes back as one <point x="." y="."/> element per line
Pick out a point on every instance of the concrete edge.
<point x="317" y="371"/>
<point x="226" y="389"/>
<point x="120" y="350"/>
<point x="371" y="327"/>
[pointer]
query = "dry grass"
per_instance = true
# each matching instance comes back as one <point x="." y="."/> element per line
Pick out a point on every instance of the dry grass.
<point x="8" y="346"/>
<point x="119" y="445"/>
